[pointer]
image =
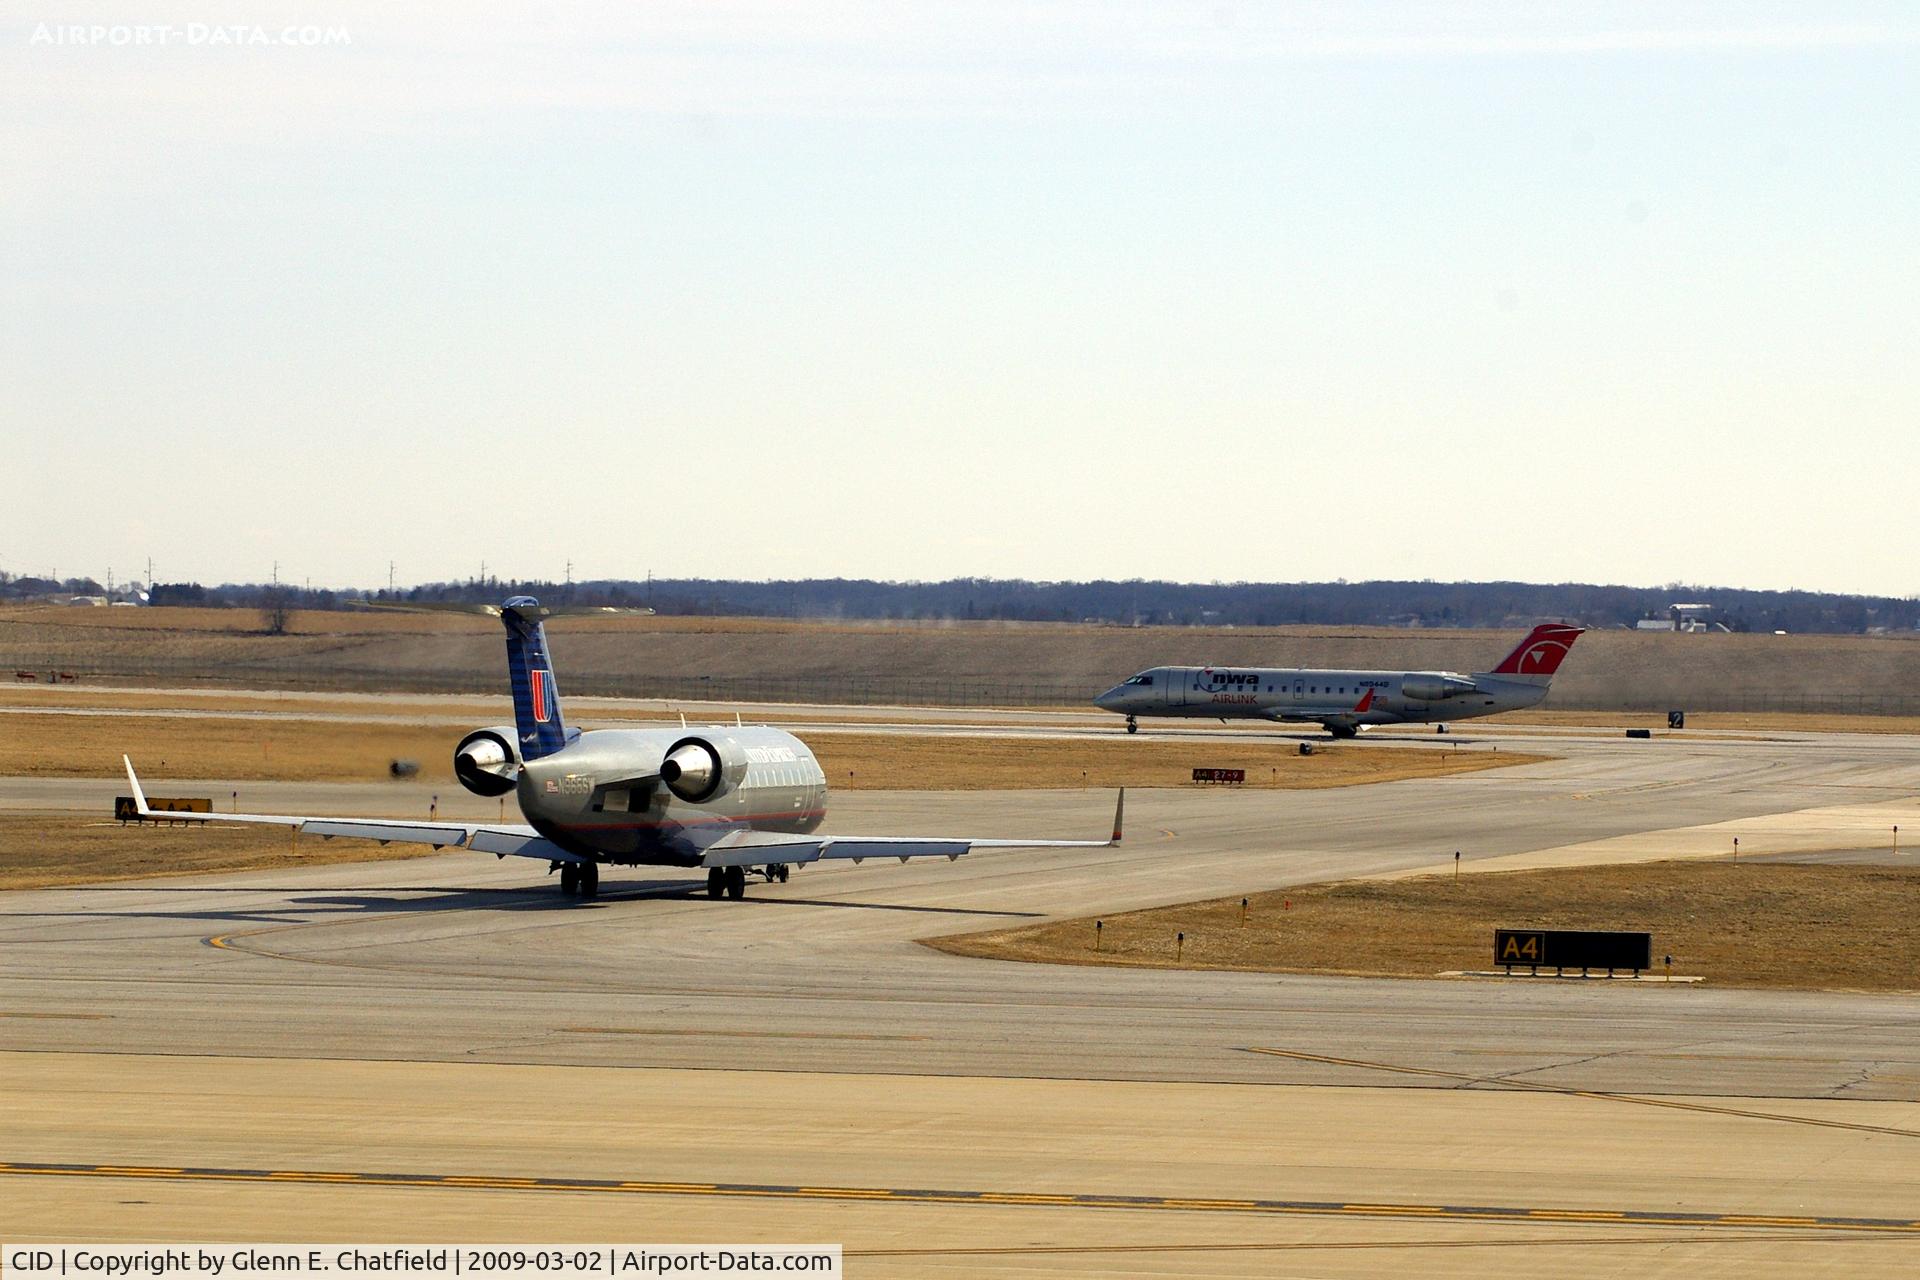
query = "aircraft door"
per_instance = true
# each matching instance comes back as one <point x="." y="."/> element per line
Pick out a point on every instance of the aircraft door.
<point x="1179" y="682"/>
<point x="1299" y="690"/>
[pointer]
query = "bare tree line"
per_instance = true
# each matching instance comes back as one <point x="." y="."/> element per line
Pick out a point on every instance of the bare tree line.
<point x="1124" y="603"/>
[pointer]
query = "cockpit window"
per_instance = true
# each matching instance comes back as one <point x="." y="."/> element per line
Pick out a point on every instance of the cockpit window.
<point x="1147" y="681"/>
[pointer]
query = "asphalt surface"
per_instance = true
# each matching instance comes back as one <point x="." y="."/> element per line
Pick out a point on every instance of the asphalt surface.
<point x="463" y="956"/>
<point x="461" y="959"/>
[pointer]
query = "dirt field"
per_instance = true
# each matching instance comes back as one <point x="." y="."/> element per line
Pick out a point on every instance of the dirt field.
<point x="83" y="746"/>
<point x="1699" y="722"/>
<point x="39" y="851"/>
<point x="1006" y="663"/>
<point x="1747" y="924"/>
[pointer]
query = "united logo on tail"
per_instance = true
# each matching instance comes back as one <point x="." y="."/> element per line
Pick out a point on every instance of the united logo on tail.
<point x="536" y="697"/>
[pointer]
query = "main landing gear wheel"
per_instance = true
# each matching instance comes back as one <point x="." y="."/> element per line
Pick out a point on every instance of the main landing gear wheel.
<point x="716" y="881"/>
<point x="589" y="880"/>
<point x="570" y="879"/>
<point x="1133" y="726"/>
<point x="781" y="871"/>
<point x="736" y="883"/>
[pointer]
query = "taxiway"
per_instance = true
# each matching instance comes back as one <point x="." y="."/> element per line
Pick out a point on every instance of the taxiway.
<point x="455" y="1017"/>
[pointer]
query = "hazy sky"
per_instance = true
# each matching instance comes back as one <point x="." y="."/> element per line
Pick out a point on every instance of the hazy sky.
<point x="1611" y="292"/>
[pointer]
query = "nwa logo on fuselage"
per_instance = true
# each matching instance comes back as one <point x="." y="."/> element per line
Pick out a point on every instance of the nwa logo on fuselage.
<point x="1213" y="681"/>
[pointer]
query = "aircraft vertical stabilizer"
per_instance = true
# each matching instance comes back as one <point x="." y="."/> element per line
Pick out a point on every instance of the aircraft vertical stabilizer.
<point x="536" y="700"/>
<point x="1536" y="658"/>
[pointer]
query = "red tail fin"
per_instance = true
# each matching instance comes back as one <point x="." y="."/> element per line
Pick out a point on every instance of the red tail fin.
<point x="1366" y="703"/>
<point x="1541" y="653"/>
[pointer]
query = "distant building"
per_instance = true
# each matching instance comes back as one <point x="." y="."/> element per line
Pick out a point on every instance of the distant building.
<point x="1683" y="617"/>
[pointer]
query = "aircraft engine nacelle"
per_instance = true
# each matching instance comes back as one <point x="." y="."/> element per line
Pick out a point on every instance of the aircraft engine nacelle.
<point x="700" y="769"/>
<point x="1435" y="688"/>
<point x="487" y="762"/>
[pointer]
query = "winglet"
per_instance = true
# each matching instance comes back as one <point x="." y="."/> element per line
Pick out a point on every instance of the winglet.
<point x="139" y="796"/>
<point x="1119" y="812"/>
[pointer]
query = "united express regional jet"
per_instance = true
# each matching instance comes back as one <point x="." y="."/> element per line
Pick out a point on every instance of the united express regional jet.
<point x="726" y="799"/>
<point x="1344" y="701"/>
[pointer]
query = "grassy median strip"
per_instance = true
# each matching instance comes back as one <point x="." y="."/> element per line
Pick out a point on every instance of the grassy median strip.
<point x="81" y="746"/>
<point x="1789" y="925"/>
<point x="46" y="850"/>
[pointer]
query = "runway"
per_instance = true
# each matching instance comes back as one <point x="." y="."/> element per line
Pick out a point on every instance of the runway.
<point x="813" y="1001"/>
<point x="1054" y="1177"/>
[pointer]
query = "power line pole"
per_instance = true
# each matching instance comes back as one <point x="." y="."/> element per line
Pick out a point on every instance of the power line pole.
<point x="389" y="577"/>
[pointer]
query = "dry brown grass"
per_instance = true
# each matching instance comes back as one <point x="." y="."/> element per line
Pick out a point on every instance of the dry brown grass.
<point x="39" y="851"/>
<point x="1748" y="924"/>
<point x="863" y="660"/>
<point x="898" y="762"/>
<point x="83" y="746"/>
<point x="589" y="712"/>
<point x="314" y="622"/>
<point x="1699" y="721"/>
<point x="92" y="697"/>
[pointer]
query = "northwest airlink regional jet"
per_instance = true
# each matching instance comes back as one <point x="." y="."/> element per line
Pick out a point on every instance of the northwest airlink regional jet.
<point x="1345" y="701"/>
<point x="726" y="798"/>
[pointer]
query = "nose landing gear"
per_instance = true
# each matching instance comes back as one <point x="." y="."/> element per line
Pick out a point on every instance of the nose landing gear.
<point x="1133" y="725"/>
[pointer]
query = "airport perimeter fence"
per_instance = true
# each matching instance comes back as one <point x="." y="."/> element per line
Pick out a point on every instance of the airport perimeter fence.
<point x="935" y="691"/>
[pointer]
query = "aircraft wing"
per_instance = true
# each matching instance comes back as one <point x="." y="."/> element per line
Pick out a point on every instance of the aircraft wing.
<point x="757" y="848"/>
<point x="1288" y="715"/>
<point x="502" y="839"/>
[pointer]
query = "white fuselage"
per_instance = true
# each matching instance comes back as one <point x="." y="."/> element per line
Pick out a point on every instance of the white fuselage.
<point x="601" y="796"/>
<point x="1327" y="697"/>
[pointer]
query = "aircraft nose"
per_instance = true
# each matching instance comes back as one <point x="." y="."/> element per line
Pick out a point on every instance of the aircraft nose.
<point x="1110" y="699"/>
